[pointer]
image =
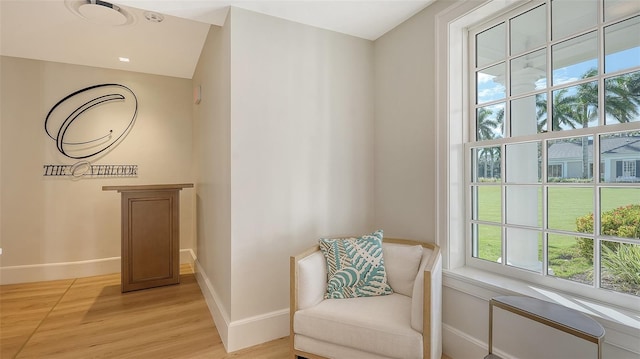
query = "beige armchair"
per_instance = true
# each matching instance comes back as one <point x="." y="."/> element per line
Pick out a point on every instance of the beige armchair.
<point x="405" y="324"/>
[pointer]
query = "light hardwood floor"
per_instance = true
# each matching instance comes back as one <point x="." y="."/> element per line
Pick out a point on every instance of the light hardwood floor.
<point x="91" y="318"/>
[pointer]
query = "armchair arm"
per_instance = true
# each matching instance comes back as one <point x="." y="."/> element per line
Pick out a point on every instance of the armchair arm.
<point x="308" y="283"/>
<point x="309" y="278"/>
<point x="426" y="302"/>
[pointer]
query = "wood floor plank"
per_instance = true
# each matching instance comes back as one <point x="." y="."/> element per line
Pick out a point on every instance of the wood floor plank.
<point x="22" y="308"/>
<point x="95" y="319"/>
<point x="91" y="318"/>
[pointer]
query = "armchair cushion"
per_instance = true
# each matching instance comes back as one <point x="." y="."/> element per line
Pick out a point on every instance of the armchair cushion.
<point x="401" y="263"/>
<point x="372" y="324"/>
<point x="355" y="267"/>
<point x="330" y="350"/>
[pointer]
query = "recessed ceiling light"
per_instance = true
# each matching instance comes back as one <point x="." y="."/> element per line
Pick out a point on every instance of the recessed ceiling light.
<point x="123" y="59"/>
<point x="100" y="12"/>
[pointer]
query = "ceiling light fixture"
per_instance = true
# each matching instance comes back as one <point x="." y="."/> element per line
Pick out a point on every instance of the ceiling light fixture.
<point x="100" y="12"/>
<point x="123" y="59"/>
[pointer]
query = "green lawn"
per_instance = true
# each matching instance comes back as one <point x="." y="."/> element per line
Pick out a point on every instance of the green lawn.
<point x="566" y="204"/>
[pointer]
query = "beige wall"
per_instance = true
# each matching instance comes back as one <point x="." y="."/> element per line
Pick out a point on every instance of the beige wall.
<point x="301" y="145"/>
<point x="405" y="120"/>
<point x="47" y="220"/>
<point x="284" y="141"/>
<point x="212" y="140"/>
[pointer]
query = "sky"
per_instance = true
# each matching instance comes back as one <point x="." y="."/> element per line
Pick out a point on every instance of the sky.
<point x="489" y="80"/>
<point x="490" y="85"/>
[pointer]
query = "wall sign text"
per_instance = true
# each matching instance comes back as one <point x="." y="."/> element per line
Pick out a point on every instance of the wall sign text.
<point x="88" y="123"/>
<point x="86" y="169"/>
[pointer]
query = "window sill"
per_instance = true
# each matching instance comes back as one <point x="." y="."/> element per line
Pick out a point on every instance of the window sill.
<point x="620" y="323"/>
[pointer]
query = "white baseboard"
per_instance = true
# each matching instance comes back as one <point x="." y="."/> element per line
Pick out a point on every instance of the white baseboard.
<point x="458" y="344"/>
<point x="187" y="256"/>
<point x="218" y="313"/>
<point x="246" y="332"/>
<point x="66" y="270"/>
<point x="258" y="329"/>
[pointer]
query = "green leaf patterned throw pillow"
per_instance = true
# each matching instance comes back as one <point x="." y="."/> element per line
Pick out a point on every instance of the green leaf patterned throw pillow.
<point x="355" y="267"/>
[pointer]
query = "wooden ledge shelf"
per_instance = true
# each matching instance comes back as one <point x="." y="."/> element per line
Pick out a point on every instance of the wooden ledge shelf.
<point x="150" y="240"/>
<point x="148" y="187"/>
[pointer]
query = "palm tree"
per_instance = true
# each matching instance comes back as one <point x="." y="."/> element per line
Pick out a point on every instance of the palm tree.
<point x="541" y="112"/>
<point x="633" y="84"/>
<point x="487" y="125"/>
<point x="563" y="111"/>
<point x="490" y="156"/>
<point x="623" y="97"/>
<point x="622" y="102"/>
<point x="586" y="110"/>
<point x="494" y="152"/>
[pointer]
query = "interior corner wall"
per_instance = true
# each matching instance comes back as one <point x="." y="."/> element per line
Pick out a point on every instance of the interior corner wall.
<point x="405" y="123"/>
<point x="301" y="158"/>
<point x="212" y="139"/>
<point x="406" y="152"/>
<point x="57" y="227"/>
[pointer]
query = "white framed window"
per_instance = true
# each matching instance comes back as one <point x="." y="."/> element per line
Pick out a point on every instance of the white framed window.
<point x="629" y="168"/>
<point x="555" y="170"/>
<point x="554" y="98"/>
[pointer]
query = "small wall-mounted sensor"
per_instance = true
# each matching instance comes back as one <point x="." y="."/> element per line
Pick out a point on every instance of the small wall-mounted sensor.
<point x="197" y="96"/>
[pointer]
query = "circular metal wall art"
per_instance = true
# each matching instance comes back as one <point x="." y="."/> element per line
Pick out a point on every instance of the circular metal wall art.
<point x="91" y="120"/>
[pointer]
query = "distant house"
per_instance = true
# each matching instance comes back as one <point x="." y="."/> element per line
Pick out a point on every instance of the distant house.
<point x="620" y="159"/>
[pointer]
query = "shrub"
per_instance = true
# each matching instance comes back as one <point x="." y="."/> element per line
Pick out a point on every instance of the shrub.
<point x="569" y="180"/>
<point x="619" y="222"/>
<point x="623" y="263"/>
<point x="488" y="179"/>
<point x="622" y="221"/>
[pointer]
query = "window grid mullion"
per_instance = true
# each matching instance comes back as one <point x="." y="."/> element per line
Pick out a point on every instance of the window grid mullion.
<point x="601" y="69"/>
<point x="597" y="268"/>
<point x="597" y="201"/>
<point x="549" y="71"/>
<point x="503" y="199"/>
<point x="506" y="118"/>
<point x="473" y="93"/>
<point x="545" y="211"/>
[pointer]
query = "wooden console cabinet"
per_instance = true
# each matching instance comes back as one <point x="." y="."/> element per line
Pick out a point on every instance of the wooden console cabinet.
<point x="150" y="235"/>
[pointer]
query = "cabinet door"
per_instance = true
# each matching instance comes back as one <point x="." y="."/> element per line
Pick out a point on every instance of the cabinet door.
<point x="150" y="239"/>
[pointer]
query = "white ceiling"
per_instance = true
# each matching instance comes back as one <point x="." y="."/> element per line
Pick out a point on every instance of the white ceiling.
<point x="367" y="19"/>
<point x="52" y="30"/>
